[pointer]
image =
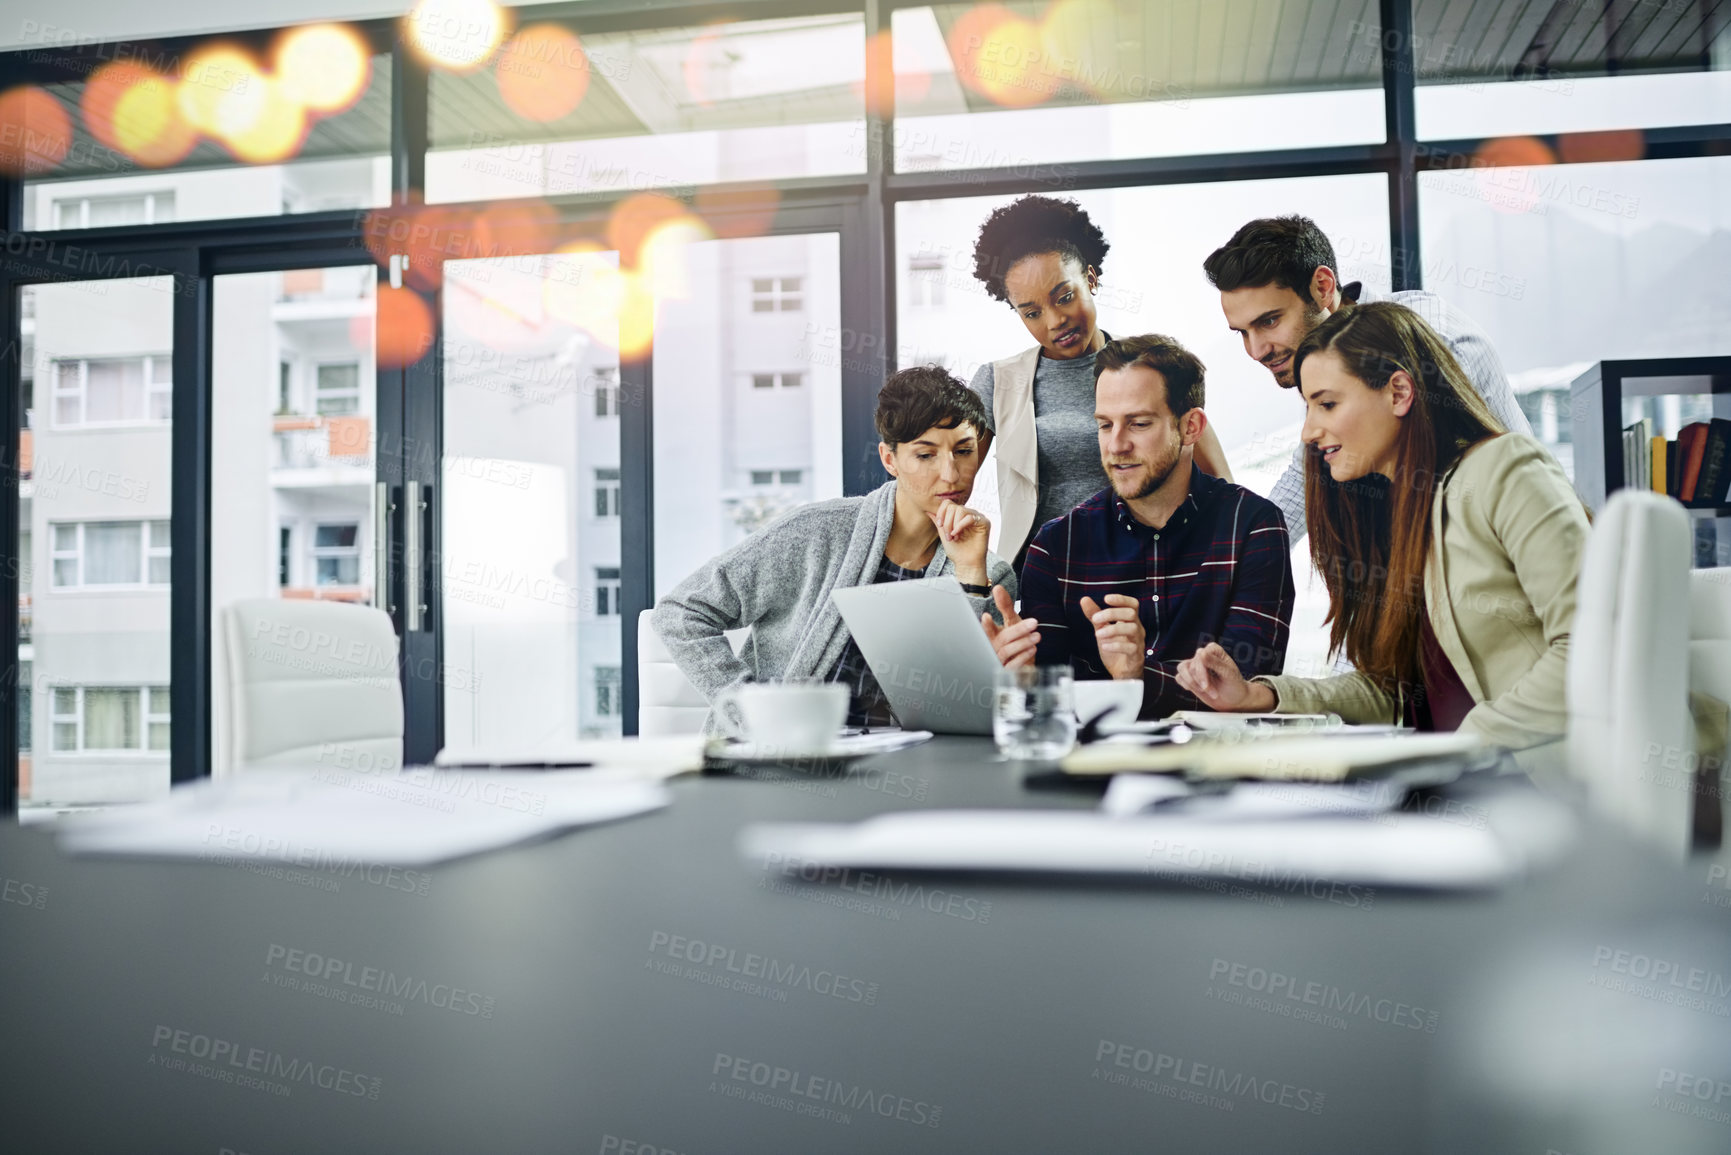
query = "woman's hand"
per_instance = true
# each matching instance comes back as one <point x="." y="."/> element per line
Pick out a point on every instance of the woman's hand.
<point x="1018" y="639"/>
<point x="964" y="532"/>
<point x="1213" y="676"/>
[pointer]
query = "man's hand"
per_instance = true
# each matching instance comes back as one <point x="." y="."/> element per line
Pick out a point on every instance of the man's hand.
<point x="1015" y="640"/>
<point x="1119" y="634"/>
<point x="1213" y="676"/>
<point x="964" y="532"/>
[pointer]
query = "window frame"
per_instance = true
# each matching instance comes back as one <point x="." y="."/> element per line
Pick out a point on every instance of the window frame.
<point x="148" y="552"/>
<point x="152" y="387"/>
<point x="317" y="553"/>
<point x="79" y="718"/>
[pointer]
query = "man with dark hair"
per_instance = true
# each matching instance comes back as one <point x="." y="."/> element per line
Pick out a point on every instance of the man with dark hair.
<point x="1278" y="280"/>
<point x="1165" y="559"/>
<point x="933" y="435"/>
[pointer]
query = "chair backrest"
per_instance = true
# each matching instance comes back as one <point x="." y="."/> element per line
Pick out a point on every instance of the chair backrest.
<point x="667" y="702"/>
<point x="1628" y="674"/>
<point x="312" y="683"/>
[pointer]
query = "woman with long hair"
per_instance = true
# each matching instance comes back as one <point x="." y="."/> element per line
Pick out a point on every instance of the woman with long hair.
<point x="1043" y="257"/>
<point x="1450" y="548"/>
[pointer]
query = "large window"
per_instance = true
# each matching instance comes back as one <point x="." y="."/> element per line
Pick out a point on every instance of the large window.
<point x="151" y="208"/>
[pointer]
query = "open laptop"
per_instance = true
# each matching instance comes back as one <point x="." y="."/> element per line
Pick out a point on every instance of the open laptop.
<point x="924" y="645"/>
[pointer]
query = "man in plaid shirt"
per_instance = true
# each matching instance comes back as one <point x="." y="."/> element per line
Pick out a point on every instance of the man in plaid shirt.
<point x="1161" y="562"/>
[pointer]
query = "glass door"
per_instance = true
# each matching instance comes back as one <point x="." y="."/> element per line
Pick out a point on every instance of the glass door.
<point x="295" y="445"/>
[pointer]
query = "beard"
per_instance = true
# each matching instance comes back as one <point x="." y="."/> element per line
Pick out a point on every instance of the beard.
<point x="1156" y="477"/>
<point x="1313" y="317"/>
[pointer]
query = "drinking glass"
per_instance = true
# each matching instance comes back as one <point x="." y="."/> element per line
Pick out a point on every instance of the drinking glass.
<point x="1034" y="713"/>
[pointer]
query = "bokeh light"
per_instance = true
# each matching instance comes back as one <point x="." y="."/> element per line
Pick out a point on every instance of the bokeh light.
<point x="35" y="131"/>
<point x="221" y="90"/>
<point x="458" y="35"/>
<point x="635" y="217"/>
<point x="405" y="327"/>
<point x="584" y="289"/>
<point x="149" y="126"/>
<point x="542" y="73"/>
<point x="636" y="315"/>
<point x="1613" y="145"/>
<point x="1080" y="43"/>
<point x="739" y="212"/>
<point x="999" y="55"/>
<point x="663" y="260"/>
<point x="513" y="228"/>
<point x="276" y="133"/>
<point x="1501" y="169"/>
<point x="323" y="67"/>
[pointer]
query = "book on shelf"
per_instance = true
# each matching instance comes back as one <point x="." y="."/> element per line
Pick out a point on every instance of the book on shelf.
<point x="1715" y="464"/>
<point x="1638" y="454"/>
<point x="1691" y="446"/>
<point x="1656" y="480"/>
<point x="1671" y="471"/>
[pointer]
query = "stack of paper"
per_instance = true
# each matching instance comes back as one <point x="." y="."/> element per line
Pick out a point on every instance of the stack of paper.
<point x="1402" y="849"/>
<point x="1326" y="757"/>
<point x="658" y="757"/>
<point x="320" y="818"/>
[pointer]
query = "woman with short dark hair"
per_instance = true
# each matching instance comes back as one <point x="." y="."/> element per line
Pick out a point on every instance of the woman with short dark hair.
<point x="933" y="435"/>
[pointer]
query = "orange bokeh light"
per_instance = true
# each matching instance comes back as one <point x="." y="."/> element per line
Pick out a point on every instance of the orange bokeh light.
<point x="35" y="131"/>
<point x="1617" y="144"/>
<point x="542" y="73"/>
<point x="999" y="55"/>
<point x="458" y="35"/>
<point x="1505" y="151"/>
<point x="662" y="260"/>
<point x="1500" y="166"/>
<point x="323" y="67"/>
<point x="636" y="315"/>
<point x="513" y="228"/>
<point x="405" y="327"/>
<point x="635" y="218"/>
<point x="221" y="90"/>
<point x="276" y="133"/>
<point x="584" y="288"/>
<point x="149" y="126"/>
<point x="739" y="212"/>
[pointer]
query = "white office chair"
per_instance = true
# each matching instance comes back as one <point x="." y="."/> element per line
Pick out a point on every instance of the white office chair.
<point x="1710" y="675"/>
<point x="1628" y="680"/>
<point x="667" y="703"/>
<point x="312" y="683"/>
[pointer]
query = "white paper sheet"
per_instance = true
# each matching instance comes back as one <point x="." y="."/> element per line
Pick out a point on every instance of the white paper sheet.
<point x="659" y="757"/>
<point x="321" y="819"/>
<point x="1131" y="794"/>
<point x="1411" y="850"/>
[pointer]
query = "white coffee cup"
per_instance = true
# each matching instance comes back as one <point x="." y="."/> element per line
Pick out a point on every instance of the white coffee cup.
<point x="1122" y="696"/>
<point x="790" y="717"/>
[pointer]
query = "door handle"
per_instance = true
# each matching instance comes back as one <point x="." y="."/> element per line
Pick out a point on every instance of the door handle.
<point x="414" y="505"/>
<point x="382" y="510"/>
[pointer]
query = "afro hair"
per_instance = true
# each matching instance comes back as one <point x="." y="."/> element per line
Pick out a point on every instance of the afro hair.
<point x="1035" y="224"/>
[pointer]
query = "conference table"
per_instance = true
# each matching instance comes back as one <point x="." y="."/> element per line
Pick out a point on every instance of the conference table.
<point x="640" y="988"/>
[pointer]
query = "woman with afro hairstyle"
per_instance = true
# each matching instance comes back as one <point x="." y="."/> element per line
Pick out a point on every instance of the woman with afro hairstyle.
<point x="1043" y="256"/>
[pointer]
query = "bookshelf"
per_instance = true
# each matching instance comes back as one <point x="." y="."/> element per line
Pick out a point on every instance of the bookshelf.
<point x="1599" y="410"/>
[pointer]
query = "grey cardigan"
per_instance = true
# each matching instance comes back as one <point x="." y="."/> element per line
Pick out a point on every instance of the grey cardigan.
<point x="778" y="582"/>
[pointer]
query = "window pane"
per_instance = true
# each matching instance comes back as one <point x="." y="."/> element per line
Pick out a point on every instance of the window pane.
<point x="518" y="559"/>
<point x="335" y="536"/>
<point x="706" y="346"/>
<point x="120" y="638"/>
<point x="341" y="161"/>
<point x="68" y="214"/>
<point x="113" y="552"/>
<point x="753" y="100"/>
<point x="116" y="211"/>
<point x="1546" y="68"/>
<point x="159" y="736"/>
<point x="159" y="700"/>
<point x="1034" y="88"/>
<point x="65" y="737"/>
<point x="285" y="486"/>
<point x="1506" y="245"/>
<point x="65" y="701"/>
<point x="111" y="719"/>
<point x="792" y="380"/>
<point x="763" y="380"/>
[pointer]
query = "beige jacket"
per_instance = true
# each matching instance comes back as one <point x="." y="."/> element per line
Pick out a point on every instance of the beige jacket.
<point x="1507" y="534"/>
<point x="1017" y="449"/>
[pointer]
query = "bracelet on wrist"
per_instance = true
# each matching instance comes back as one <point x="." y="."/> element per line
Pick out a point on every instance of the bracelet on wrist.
<point x="976" y="591"/>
